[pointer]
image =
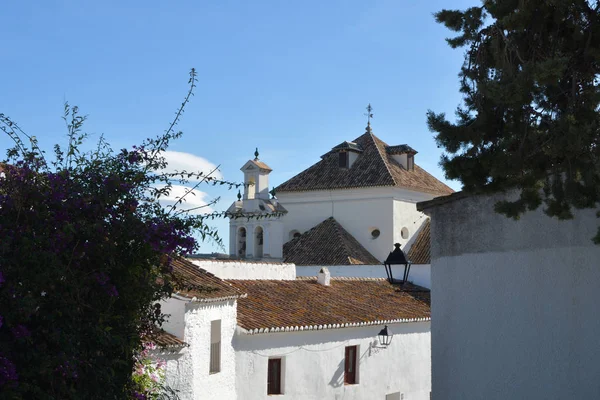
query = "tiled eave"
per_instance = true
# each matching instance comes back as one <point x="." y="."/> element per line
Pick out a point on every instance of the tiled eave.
<point x="194" y="299"/>
<point x="283" y="329"/>
<point x="316" y="189"/>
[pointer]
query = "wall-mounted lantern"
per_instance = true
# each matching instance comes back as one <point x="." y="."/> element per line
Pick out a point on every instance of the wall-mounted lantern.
<point x="397" y="257"/>
<point x="385" y="336"/>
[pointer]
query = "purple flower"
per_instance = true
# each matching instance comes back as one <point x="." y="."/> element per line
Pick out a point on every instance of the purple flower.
<point x="8" y="372"/>
<point x="20" y="331"/>
<point x="139" y="396"/>
<point x="112" y="291"/>
<point x="2" y="280"/>
<point x="101" y="278"/>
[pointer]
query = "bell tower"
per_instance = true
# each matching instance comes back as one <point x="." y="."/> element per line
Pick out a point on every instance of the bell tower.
<point x="256" y="179"/>
<point x="255" y="225"/>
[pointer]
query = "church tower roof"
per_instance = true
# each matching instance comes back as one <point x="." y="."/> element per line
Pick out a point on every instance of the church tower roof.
<point x="375" y="165"/>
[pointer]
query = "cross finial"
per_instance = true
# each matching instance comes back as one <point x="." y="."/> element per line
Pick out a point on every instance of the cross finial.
<point x="256" y="154"/>
<point x="369" y="114"/>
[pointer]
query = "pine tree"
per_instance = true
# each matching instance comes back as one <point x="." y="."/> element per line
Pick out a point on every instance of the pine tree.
<point x="530" y="118"/>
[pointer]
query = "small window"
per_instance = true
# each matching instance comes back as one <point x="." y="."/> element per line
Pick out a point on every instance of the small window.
<point x="410" y="162"/>
<point x="350" y="365"/>
<point x="343" y="159"/>
<point x="215" y="346"/>
<point x="274" y="376"/>
<point x="375" y="233"/>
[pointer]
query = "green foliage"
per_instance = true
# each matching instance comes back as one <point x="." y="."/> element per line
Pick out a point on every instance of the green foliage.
<point x="84" y="257"/>
<point x="530" y="118"/>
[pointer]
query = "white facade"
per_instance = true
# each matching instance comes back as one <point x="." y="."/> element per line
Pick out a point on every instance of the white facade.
<point x="237" y="269"/>
<point x="390" y="210"/>
<point x="514" y="303"/>
<point x="188" y="370"/>
<point x="313" y="363"/>
<point x="244" y="232"/>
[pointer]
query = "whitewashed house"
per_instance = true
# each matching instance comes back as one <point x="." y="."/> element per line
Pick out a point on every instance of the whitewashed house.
<point x="514" y="302"/>
<point x="306" y="338"/>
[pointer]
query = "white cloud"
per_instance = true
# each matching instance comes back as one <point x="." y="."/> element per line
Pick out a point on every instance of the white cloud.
<point x="180" y="161"/>
<point x="195" y="198"/>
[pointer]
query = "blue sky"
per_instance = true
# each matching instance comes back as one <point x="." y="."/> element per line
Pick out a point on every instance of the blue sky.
<point x="291" y="77"/>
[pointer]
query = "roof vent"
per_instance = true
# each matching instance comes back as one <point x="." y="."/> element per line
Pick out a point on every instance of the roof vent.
<point x="404" y="155"/>
<point x="324" y="277"/>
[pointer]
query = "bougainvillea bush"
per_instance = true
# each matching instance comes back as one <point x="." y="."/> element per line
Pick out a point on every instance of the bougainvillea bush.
<point x="84" y="257"/>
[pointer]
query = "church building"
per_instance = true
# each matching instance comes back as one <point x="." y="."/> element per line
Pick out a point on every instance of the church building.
<point x="348" y="209"/>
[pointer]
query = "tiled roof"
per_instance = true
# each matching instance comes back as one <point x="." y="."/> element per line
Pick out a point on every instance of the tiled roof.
<point x="348" y="146"/>
<point x="420" y="251"/>
<point x="303" y="304"/>
<point x="328" y="243"/>
<point x="400" y="149"/>
<point x="257" y="163"/>
<point x="164" y="340"/>
<point x="373" y="167"/>
<point x="196" y="283"/>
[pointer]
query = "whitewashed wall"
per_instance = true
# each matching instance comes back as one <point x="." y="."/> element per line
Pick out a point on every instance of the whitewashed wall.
<point x="207" y="386"/>
<point x="313" y="363"/>
<point x="273" y="237"/>
<point x="420" y="274"/>
<point x="359" y="211"/>
<point x="175" y="322"/>
<point x="178" y="365"/>
<point x="245" y="269"/>
<point x="514" y="304"/>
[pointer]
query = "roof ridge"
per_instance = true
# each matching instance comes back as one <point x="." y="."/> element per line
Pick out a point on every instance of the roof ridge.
<point x="337" y="226"/>
<point x="384" y="156"/>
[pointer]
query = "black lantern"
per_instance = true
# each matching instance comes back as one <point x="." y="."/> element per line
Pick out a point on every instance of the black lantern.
<point x="397" y="257"/>
<point x="385" y="337"/>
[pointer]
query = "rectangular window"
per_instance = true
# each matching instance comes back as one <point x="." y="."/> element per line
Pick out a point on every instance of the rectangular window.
<point x="343" y="159"/>
<point x="410" y="162"/>
<point x="215" y="346"/>
<point x="350" y="365"/>
<point x="274" y="376"/>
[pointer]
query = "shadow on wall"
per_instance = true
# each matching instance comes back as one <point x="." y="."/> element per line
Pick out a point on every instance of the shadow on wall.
<point x="337" y="379"/>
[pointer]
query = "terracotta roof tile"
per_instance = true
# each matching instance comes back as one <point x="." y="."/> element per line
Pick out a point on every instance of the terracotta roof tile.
<point x="328" y="243"/>
<point x="400" y="149"/>
<point x="195" y="282"/>
<point x="420" y="251"/>
<point x="163" y="339"/>
<point x="373" y="167"/>
<point x="303" y="304"/>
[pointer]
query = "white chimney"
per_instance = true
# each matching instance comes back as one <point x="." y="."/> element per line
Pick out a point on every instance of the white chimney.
<point x="324" y="277"/>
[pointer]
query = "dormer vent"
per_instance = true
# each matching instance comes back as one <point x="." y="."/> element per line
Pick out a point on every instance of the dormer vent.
<point x="404" y="155"/>
<point x="348" y="152"/>
<point x="324" y="277"/>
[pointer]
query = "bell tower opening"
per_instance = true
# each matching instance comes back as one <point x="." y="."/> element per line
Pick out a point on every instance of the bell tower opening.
<point x="241" y="242"/>
<point x="258" y="242"/>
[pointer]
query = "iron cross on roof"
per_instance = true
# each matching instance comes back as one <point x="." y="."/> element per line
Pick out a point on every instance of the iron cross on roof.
<point x="369" y="114"/>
